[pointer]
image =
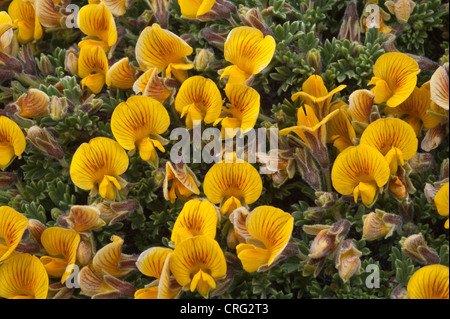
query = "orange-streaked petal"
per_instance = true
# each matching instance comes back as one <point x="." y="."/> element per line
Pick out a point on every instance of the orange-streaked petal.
<point x="122" y="74"/>
<point x="12" y="227"/>
<point x="439" y="87"/>
<point x="23" y="276"/>
<point x="429" y="282"/>
<point x="151" y="261"/>
<point x="95" y="20"/>
<point x="360" y="105"/>
<point x="12" y="141"/>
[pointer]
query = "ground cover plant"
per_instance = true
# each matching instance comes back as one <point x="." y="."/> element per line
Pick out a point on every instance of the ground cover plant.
<point x="224" y="149"/>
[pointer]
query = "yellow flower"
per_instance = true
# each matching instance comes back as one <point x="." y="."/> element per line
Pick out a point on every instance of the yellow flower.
<point x="401" y="8"/>
<point x="242" y="112"/>
<point x="34" y="103"/>
<point x="395" y="77"/>
<point x="315" y="94"/>
<point x="439" y="87"/>
<point x="117" y="7"/>
<point x="96" y="166"/>
<point x="154" y="262"/>
<point x="393" y="138"/>
<point x="181" y="181"/>
<point x="25" y="20"/>
<point x="47" y="13"/>
<point x="340" y="131"/>
<point x="360" y="105"/>
<point x="138" y="123"/>
<point x="122" y="74"/>
<point x="414" y="110"/>
<point x="97" y="22"/>
<point x="191" y="9"/>
<point x="198" y="217"/>
<point x="249" y="51"/>
<point x="12" y="227"/>
<point x="199" y="99"/>
<point x="360" y="170"/>
<point x="93" y="68"/>
<point x="161" y="49"/>
<point x="12" y="141"/>
<point x="110" y="260"/>
<point x="429" y="282"/>
<point x="62" y="244"/>
<point x="197" y="262"/>
<point x="348" y="260"/>
<point x="23" y="277"/>
<point x="6" y="31"/>
<point x="441" y="202"/>
<point x="232" y="185"/>
<point x="269" y="230"/>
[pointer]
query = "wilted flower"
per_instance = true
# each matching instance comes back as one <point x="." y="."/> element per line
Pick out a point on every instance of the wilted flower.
<point x="122" y="74"/>
<point x="198" y="217"/>
<point x="93" y="68"/>
<point x="197" y="262"/>
<point x="242" y="111"/>
<point x="97" y="22"/>
<point x="204" y="58"/>
<point x="348" y="260"/>
<point x="71" y="60"/>
<point x="232" y="185"/>
<point x="12" y="141"/>
<point x="401" y="8"/>
<point x="360" y="170"/>
<point x="414" y="110"/>
<point x="249" y="51"/>
<point x="12" y="227"/>
<point x="96" y="166"/>
<point x="317" y="96"/>
<point x="429" y="282"/>
<point x="252" y="17"/>
<point x="380" y="224"/>
<point x="47" y="13"/>
<point x="395" y="77"/>
<point x="161" y="49"/>
<point x="181" y="180"/>
<point x="361" y="105"/>
<point x="267" y="233"/>
<point x="114" y="212"/>
<point x="151" y="85"/>
<point x="103" y="286"/>
<point x="154" y="262"/>
<point x="45" y="142"/>
<point x="58" y="107"/>
<point x="62" y="244"/>
<point x="32" y="104"/>
<point x="7" y="179"/>
<point x="138" y="123"/>
<point x="25" y="20"/>
<point x="439" y="89"/>
<point x="82" y="218"/>
<point x="416" y="248"/>
<point x="374" y="17"/>
<point x="393" y="138"/>
<point x="441" y="202"/>
<point x="6" y="32"/>
<point x="110" y="260"/>
<point x="198" y="99"/>
<point x="23" y="277"/>
<point x="350" y="27"/>
<point x="117" y="7"/>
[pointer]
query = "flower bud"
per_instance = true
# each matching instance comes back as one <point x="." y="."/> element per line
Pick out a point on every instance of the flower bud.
<point x="58" y="108"/>
<point x="313" y="59"/>
<point x="421" y="162"/>
<point x="253" y="18"/>
<point x="417" y="249"/>
<point x="397" y="188"/>
<point x="86" y="248"/>
<point x="91" y="105"/>
<point x="308" y="168"/>
<point x="348" y="260"/>
<point x="203" y="59"/>
<point x="36" y="229"/>
<point x="160" y="10"/>
<point x="350" y="27"/>
<point x="45" y="66"/>
<point x="9" y="67"/>
<point x="71" y="61"/>
<point x="7" y="179"/>
<point x="221" y="9"/>
<point x="82" y="218"/>
<point x="215" y="37"/>
<point x="45" y="142"/>
<point x="114" y="212"/>
<point x="379" y="224"/>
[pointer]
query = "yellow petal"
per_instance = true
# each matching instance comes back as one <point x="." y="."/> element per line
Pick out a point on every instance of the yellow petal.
<point x="95" y="20"/>
<point x="93" y="67"/>
<point x="117" y="7"/>
<point x="12" y="227"/>
<point x="122" y="74"/>
<point x="440" y="88"/>
<point x="358" y="164"/>
<point x="249" y="49"/>
<point x="12" y="141"/>
<point x="62" y="244"/>
<point x="429" y="282"/>
<point x="202" y="99"/>
<point x="384" y="134"/>
<point x="24" y="17"/>
<point x="47" y="13"/>
<point x="83" y="218"/>
<point x="198" y="217"/>
<point x="441" y="200"/>
<point x="34" y="103"/>
<point x="252" y="257"/>
<point x="360" y="105"/>
<point x="158" y="47"/>
<point x="151" y="261"/>
<point x="240" y="180"/>
<point x="149" y="84"/>
<point x="23" y="276"/>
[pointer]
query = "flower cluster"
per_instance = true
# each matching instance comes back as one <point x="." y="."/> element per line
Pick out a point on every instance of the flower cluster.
<point x="95" y="204"/>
